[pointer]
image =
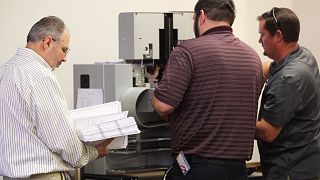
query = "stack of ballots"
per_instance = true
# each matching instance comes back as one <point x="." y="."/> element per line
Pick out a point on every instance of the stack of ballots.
<point x="104" y="121"/>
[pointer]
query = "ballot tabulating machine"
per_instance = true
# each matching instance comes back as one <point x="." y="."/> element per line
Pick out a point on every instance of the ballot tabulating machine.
<point x="145" y="43"/>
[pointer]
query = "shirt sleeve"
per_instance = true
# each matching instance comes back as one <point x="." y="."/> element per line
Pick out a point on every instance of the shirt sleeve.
<point x="176" y="77"/>
<point x="282" y="101"/>
<point x="52" y="122"/>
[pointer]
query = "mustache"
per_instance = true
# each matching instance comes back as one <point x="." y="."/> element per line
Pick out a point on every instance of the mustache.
<point x="60" y="62"/>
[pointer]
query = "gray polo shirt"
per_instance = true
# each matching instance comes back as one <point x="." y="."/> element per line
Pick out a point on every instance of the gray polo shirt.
<point x="291" y="99"/>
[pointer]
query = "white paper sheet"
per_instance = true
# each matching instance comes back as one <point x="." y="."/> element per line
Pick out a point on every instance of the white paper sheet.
<point x="121" y="127"/>
<point x="93" y="124"/>
<point x="89" y="97"/>
<point x="117" y="143"/>
<point x="86" y="122"/>
<point x="94" y="111"/>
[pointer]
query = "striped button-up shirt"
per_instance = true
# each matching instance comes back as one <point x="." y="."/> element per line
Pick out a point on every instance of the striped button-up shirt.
<point x="35" y="131"/>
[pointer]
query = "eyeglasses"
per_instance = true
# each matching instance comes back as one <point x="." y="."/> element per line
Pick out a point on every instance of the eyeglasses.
<point x="275" y="18"/>
<point x="65" y="50"/>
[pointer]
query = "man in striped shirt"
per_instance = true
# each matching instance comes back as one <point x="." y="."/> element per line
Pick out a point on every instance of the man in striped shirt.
<point x="209" y="94"/>
<point x="36" y="138"/>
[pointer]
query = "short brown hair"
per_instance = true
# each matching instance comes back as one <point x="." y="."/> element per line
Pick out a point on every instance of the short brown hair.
<point x="282" y="19"/>
<point x="217" y="10"/>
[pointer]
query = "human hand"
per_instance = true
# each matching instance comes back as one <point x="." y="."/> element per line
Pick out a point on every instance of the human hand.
<point x="152" y="71"/>
<point x="166" y="117"/>
<point x="266" y="66"/>
<point x="102" y="148"/>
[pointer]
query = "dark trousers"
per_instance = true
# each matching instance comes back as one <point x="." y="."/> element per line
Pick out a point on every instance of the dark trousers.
<point x="315" y="178"/>
<point x="209" y="169"/>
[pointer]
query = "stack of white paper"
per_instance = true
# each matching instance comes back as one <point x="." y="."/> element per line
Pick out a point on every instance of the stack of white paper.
<point x="95" y="123"/>
<point x="105" y="130"/>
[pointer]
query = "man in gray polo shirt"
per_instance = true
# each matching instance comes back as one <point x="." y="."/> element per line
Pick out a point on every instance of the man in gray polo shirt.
<point x="288" y="126"/>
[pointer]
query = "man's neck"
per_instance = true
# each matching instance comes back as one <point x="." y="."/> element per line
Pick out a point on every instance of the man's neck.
<point x="213" y="24"/>
<point x="285" y="50"/>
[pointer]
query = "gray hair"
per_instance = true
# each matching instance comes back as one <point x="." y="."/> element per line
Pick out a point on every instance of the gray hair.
<point x="47" y="26"/>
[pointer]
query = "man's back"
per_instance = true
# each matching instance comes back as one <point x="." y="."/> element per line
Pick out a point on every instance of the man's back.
<point x="216" y="115"/>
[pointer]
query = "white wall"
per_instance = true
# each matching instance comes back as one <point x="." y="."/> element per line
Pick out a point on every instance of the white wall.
<point x="246" y="25"/>
<point x="94" y="26"/>
<point x="309" y="14"/>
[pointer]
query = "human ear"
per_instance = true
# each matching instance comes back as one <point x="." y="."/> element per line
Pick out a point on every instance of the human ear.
<point x="47" y="41"/>
<point x="279" y="34"/>
<point x="202" y="17"/>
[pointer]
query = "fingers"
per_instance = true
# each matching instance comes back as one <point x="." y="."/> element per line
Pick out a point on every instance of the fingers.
<point x="107" y="141"/>
<point x="102" y="147"/>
